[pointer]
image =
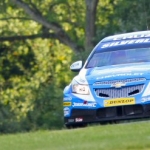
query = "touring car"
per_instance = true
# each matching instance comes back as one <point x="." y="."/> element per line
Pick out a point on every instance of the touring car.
<point x="113" y="84"/>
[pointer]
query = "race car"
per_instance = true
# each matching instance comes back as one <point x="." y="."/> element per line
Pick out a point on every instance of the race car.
<point x="113" y="84"/>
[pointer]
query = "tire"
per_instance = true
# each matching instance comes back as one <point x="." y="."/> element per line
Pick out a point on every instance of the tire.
<point x="74" y="126"/>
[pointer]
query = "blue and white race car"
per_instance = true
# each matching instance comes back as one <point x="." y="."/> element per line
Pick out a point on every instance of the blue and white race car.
<point x="113" y="84"/>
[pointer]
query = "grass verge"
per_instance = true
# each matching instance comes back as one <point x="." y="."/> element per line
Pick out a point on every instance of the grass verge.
<point x="125" y="136"/>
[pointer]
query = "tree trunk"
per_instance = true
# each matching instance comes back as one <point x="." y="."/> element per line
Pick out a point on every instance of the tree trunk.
<point x="90" y="23"/>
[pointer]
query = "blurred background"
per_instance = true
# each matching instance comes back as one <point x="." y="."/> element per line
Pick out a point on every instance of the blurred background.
<point x="38" y="42"/>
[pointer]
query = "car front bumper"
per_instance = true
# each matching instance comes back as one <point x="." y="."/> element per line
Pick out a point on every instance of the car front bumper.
<point x="118" y="113"/>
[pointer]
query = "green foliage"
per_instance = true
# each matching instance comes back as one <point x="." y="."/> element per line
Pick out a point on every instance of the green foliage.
<point x="33" y="91"/>
<point x="119" y="16"/>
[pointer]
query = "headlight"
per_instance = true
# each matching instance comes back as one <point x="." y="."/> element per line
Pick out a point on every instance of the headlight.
<point x="80" y="89"/>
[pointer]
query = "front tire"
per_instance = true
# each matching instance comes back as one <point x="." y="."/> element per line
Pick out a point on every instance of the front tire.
<point x="74" y="126"/>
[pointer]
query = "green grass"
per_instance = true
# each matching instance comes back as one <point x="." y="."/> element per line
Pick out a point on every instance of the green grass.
<point x="125" y="136"/>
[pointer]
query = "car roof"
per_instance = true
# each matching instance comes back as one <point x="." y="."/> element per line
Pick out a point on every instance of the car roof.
<point x="126" y="40"/>
<point x="125" y="36"/>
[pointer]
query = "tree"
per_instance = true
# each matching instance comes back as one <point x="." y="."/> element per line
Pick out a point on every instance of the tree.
<point x="55" y="29"/>
<point x="58" y="19"/>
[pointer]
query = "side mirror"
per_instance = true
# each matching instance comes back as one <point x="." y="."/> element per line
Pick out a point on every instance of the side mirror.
<point x="76" y="66"/>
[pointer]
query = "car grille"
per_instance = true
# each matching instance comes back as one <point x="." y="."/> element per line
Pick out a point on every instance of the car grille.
<point x="119" y="92"/>
<point x="116" y="81"/>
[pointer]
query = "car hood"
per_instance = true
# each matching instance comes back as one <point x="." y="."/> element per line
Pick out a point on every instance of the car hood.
<point x="92" y="75"/>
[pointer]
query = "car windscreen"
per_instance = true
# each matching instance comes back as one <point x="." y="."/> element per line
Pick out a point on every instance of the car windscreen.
<point x="117" y="57"/>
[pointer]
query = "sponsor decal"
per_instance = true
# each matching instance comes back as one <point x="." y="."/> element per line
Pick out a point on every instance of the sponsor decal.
<point x="145" y="99"/>
<point x="119" y="101"/>
<point x="66" y="111"/>
<point x="67" y="98"/>
<point x="134" y="36"/>
<point x="84" y="104"/>
<point x="78" y="119"/>
<point x="126" y="42"/>
<point x="120" y="74"/>
<point x="70" y="120"/>
<point x="67" y="104"/>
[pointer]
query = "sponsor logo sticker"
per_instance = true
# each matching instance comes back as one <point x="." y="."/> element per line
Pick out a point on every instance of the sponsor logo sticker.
<point x="78" y="119"/>
<point x="67" y="98"/>
<point x="119" y="101"/>
<point x="84" y="105"/>
<point x="66" y="111"/>
<point x="70" y="120"/>
<point x="125" y="42"/>
<point x="145" y="99"/>
<point x="67" y="104"/>
<point x="120" y="75"/>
